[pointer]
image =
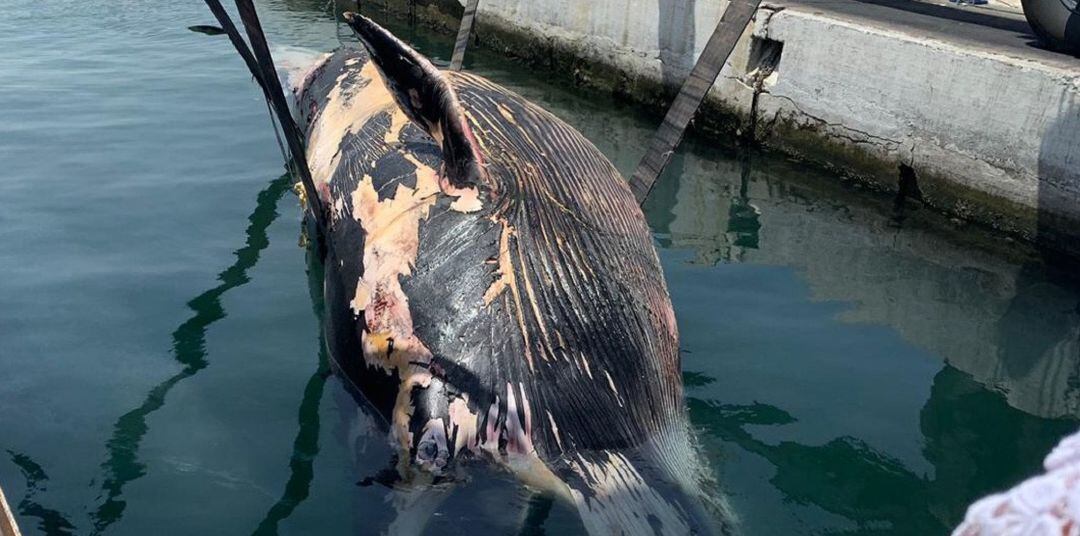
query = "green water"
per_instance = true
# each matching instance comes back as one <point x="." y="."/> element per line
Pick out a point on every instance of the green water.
<point x="848" y="371"/>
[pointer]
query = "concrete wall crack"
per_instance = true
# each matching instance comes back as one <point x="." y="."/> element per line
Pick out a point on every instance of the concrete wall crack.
<point x="838" y="130"/>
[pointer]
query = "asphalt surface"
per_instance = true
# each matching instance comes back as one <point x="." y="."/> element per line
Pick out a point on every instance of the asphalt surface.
<point x="992" y="30"/>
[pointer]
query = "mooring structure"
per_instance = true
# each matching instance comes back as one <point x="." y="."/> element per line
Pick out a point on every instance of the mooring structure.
<point x="669" y="135"/>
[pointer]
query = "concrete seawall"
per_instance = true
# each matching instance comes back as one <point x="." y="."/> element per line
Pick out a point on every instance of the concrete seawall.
<point x="988" y="122"/>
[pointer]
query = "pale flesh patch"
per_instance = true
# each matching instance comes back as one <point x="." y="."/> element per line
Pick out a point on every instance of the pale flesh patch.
<point x="390" y="249"/>
<point x="611" y="385"/>
<point x="505" y="272"/>
<point x="463" y="423"/>
<point x="505" y="278"/>
<point x="398" y="121"/>
<point x="554" y="430"/>
<point x="347" y="109"/>
<point x="391" y="245"/>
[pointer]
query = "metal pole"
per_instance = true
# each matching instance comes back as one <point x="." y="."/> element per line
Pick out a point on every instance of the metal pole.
<point x="667" y="137"/>
<point x="241" y="48"/>
<point x="277" y="99"/>
<point x="237" y="41"/>
<point x="464" y="31"/>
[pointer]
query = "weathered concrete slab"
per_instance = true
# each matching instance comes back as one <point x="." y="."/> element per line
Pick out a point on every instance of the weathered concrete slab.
<point x="988" y="121"/>
<point x="990" y="128"/>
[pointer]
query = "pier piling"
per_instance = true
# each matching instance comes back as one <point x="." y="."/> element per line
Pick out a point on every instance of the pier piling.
<point x="464" y="31"/>
<point x="702" y="76"/>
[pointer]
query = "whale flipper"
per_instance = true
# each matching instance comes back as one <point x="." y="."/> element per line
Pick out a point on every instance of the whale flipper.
<point x="425" y="95"/>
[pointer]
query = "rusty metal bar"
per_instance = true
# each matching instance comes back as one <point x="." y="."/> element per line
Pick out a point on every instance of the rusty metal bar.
<point x="249" y="59"/>
<point x="737" y="15"/>
<point x="8" y="527"/>
<point x="238" y="42"/>
<point x="265" y="72"/>
<point x="464" y="32"/>
<point x="277" y="98"/>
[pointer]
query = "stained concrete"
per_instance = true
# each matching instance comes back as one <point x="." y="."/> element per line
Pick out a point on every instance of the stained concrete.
<point x="991" y="126"/>
<point x="986" y="119"/>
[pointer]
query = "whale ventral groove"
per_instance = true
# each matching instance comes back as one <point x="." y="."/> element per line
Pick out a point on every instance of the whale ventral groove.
<point x="493" y="290"/>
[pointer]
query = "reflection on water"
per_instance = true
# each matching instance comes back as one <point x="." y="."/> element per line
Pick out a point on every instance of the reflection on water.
<point x="1006" y="334"/>
<point x="846" y="372"/>
<point x="973" y="438"/>
<point x="306" y="445"/>
<point x="49" y="521"/>
<point x="1012" y="327"/>
<point x="189" y="347"/>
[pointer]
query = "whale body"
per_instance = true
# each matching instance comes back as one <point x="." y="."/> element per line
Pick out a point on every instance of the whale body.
<point x="492" y="289"/>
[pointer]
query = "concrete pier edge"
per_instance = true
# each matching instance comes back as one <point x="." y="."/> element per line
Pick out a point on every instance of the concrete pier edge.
<point x="990" y="129"/>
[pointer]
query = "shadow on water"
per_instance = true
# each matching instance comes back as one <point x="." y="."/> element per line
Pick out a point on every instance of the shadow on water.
<point x="122" y="465"/>
<point x="744" y="218"/>
<point x="50" y="521"/>
<point x="975" y="441"/>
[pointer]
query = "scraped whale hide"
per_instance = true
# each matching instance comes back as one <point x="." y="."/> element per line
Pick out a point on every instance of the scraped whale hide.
<point x="492" y="288"/>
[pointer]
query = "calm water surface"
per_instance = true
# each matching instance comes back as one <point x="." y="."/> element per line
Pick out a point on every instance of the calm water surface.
<point x="847" y="372"/>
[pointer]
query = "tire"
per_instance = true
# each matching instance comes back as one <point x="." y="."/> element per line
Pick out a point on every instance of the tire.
<point x="1055" y="22"/>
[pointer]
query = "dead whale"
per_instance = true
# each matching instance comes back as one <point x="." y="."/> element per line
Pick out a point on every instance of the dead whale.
<point x="492" y="289"/>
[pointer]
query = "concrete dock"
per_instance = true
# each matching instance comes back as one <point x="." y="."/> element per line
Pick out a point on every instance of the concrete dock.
<point x="962" y="96"/>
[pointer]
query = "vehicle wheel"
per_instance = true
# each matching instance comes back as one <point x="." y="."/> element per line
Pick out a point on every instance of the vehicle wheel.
<point x="1055" y="22"/>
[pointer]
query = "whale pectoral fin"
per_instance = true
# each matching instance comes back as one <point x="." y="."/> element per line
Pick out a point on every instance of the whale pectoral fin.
<point x="425" y="95"/>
